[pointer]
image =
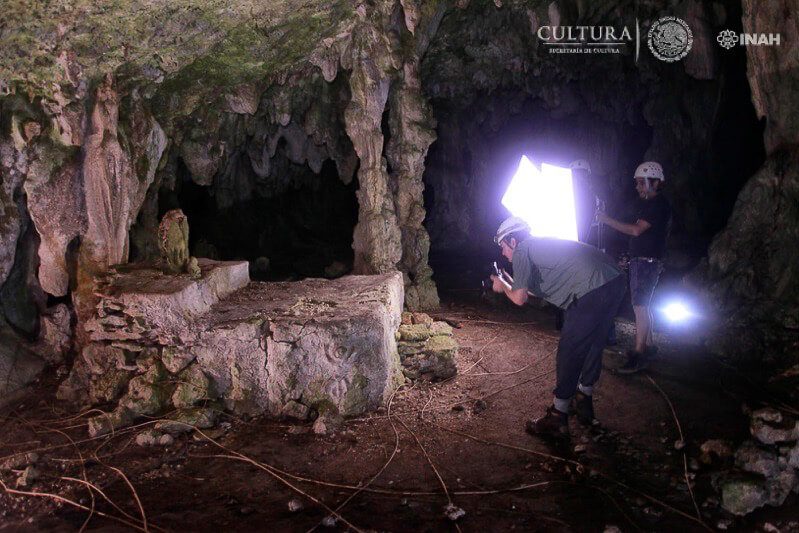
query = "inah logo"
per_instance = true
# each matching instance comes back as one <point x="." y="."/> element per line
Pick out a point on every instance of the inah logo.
<point x="670" y="39"/>
<point x="727" y="39"/>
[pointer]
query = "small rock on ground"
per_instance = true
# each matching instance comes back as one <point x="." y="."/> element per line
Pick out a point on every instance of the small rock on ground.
<point x="453" y="512"/>
<point x="28" y="476"/>
<point x="479" y="407"/>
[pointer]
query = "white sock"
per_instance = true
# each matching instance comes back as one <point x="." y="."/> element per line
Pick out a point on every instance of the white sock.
<point x="561" y="405"/>
<point x="588" y="391"/>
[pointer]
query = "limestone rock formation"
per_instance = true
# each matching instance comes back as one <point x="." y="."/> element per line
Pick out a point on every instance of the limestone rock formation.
<point x="55" y="335"/>
<point x="13" y="165"/>
<point x="284" y="349"/>
<point x="54" y="192"/>
<point x="161" y="314"/>
<point x="772" y="71"/>
<point x="114" y="190"/>
<point x="426" y="348"/>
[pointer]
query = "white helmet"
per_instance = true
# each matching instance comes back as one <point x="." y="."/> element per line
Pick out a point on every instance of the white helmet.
<point x="649" y="169"/>
<point x="510" y="225"/>
<point x="580" y="164"/>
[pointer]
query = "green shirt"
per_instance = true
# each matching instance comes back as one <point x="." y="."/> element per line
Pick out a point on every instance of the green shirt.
<point x="560" y="271"/>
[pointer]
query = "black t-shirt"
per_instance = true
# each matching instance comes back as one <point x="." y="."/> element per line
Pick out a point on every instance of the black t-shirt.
<point x="652" y="242"/>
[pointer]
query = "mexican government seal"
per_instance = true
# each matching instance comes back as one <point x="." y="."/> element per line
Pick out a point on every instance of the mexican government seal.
<point x="670" y="39"/>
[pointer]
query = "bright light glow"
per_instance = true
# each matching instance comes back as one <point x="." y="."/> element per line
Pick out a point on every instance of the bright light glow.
<point x="544" y="199"/>
<point x="677" y="312"/>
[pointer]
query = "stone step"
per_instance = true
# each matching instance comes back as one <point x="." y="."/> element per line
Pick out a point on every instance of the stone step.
<point x="141" y="303"/>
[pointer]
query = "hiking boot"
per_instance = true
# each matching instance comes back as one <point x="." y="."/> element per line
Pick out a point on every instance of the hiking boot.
<point x="636" y="362"/>
<point x="553" y="424"/>
<point x="584" y="408"/>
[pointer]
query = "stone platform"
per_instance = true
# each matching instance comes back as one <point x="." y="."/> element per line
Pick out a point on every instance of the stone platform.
<point x="285" y="349"/>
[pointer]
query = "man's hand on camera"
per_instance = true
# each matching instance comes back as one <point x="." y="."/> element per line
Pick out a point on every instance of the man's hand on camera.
<point x="499" y="285"/>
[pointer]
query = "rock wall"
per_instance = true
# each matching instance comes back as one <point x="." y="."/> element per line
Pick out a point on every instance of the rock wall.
<point x="772" y="70"/>
<point x="751" y="270"/>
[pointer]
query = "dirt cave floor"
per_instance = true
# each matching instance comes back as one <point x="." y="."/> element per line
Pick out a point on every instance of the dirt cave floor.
<point x="451" y="448"/>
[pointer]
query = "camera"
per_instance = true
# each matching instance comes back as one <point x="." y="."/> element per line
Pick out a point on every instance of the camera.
<point x="488" y="283"/>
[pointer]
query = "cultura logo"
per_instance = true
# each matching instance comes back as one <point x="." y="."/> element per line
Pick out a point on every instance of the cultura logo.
<point x="588" y="39"/>
<point x="670" y="39"/>
<point x="727" y="39"/>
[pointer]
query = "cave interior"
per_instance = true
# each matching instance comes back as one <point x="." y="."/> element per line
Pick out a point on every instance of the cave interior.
<point x="307" y="146"/>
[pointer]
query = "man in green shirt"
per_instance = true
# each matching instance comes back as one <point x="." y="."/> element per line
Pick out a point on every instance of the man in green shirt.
<point x="587" y="285"/>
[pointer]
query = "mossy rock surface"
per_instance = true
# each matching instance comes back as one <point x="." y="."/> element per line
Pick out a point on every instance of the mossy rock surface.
<point x="108" y="386"/>
<point x="175" y="360"/>
<point x="186" y="47"/>
<point x="356" y="400"/>
<point x="441" y="344"/>
<point x="410" y="348"/>
<point x="193" y="387"/>
<point x="199" y="417"/>
<point x="108" y="422"/>
<point x="414" y="332"/>
<point x="422" y="318"/>
<point x="150" y="392"/>
<point x="440" y="328"/>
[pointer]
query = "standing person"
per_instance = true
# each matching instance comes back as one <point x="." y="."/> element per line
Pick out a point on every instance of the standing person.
<point x="647" y="247"/>
<point x="585" y="283"/>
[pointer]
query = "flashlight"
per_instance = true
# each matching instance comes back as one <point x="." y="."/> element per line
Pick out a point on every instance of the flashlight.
<point x="488" y="283"/>
<point x="677" y="312"/>
<point x="497" y="271"/>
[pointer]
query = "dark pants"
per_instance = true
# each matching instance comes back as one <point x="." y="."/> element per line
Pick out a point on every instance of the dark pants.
<point x="584" y="334"/>
<point x="644" y="277"/>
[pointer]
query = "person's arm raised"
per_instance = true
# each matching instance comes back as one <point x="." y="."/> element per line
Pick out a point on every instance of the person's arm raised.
<point x="518" y="296"/>
<point x="633" y="230"/>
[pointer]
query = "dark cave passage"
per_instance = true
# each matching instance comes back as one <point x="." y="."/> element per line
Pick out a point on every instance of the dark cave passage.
<point x="303" y="229"/>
